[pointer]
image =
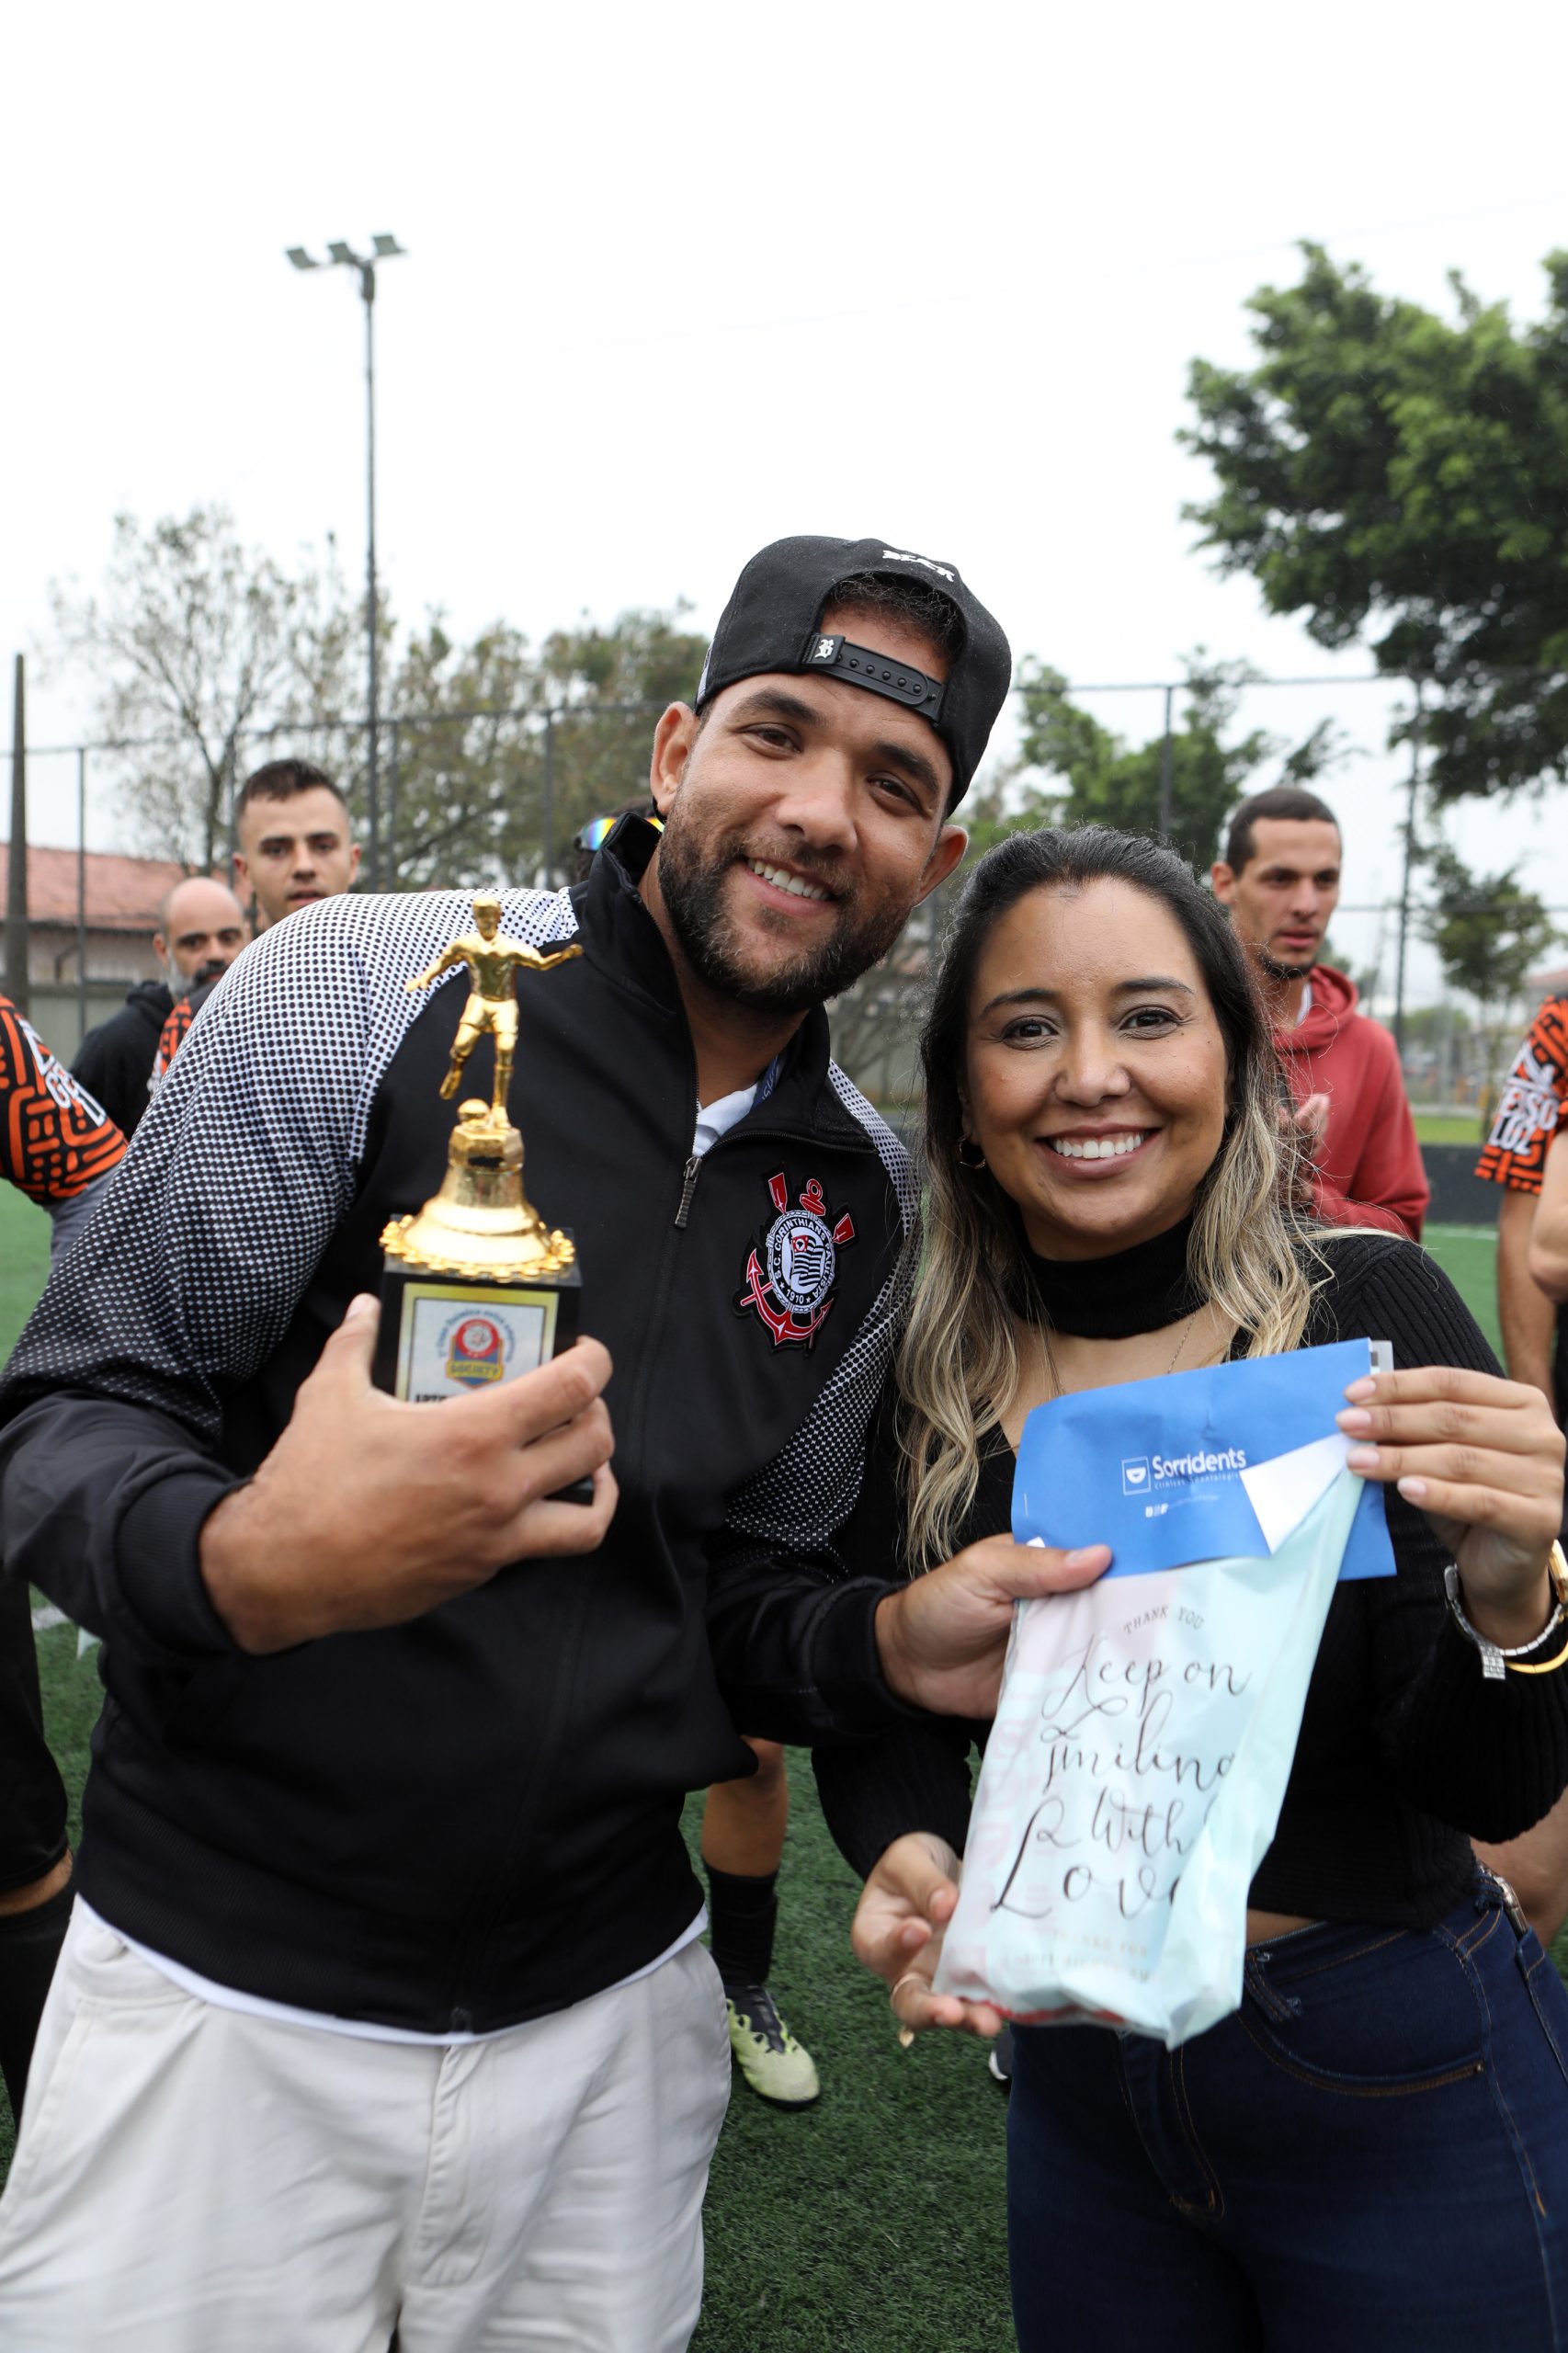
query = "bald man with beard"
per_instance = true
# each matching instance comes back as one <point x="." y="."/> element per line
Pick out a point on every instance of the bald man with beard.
<point x="201" y="929"/>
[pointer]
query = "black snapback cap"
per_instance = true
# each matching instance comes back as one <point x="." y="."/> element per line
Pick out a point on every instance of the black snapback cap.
<point x="772" y="622"/>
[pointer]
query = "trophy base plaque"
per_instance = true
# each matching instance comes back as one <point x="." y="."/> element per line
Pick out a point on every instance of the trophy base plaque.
<point x="475" y="1288"/>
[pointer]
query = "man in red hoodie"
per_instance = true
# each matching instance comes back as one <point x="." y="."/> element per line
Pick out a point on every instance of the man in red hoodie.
<point x="1279" y="877"/>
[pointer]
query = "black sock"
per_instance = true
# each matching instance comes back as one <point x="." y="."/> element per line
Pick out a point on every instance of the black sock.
<point x="742" y="1912"/>
<point x="30" y="1946"/>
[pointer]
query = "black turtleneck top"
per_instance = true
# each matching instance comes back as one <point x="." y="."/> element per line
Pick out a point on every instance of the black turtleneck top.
<point x="1145" y="1288"/>
<point x="1404" y="1748"/>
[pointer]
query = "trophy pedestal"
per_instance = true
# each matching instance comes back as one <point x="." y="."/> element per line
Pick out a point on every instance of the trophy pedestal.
<point x="448" y="1334"/>
<point x="475" y="1290"/>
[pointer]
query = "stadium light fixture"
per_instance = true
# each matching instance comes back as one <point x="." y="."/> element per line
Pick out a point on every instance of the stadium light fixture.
<point x="383" y="248"/>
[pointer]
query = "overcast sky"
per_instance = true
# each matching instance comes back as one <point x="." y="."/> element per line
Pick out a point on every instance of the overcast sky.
<point x="682" y="279"/>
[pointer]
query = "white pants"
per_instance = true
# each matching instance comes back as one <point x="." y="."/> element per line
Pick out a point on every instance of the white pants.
<point x="192" y="2180"/>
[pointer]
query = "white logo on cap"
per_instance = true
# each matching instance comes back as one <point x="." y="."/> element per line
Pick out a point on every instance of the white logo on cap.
<point x="899" y="555"/>
<point x="827" y="647"/>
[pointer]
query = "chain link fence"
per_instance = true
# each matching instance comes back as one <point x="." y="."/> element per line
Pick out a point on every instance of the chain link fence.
<point x="476" y="797"/>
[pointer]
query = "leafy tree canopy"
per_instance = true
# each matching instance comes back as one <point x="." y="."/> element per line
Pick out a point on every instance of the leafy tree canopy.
<point x="206" y="657"/>
<point x="1489" y="931"/>
<point x="498" y="796"/>
<point x="1387" y="472"/>
<point x="194" y="642"/>
<point x="1076" y="771"/>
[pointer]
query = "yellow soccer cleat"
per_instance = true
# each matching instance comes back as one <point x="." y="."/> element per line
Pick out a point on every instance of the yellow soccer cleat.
<point x="765" y="2052"/>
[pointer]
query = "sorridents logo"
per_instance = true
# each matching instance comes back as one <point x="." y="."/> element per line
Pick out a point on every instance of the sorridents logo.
<point x="902" y="555"/>
<point x="1135" y="1475"/>
<point x="789" y="1272"/>
<point x="476" y="1349"/>
<point x="1170" y="1469"/>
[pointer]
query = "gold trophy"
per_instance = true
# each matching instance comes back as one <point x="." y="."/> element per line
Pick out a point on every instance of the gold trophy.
<point x="475" y="1287"/>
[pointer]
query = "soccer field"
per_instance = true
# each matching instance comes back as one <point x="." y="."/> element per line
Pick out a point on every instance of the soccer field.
<point x="873" y="2220"/>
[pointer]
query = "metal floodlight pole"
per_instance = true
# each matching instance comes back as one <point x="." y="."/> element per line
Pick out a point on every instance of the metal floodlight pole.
<point x="373" y="695"/>
<point x="17" y="942"/>
<point x="1404" y="885"/>
<point x="1165" y="749"/>
<point x="342" y="256"/>
<point x="81" y="894"/>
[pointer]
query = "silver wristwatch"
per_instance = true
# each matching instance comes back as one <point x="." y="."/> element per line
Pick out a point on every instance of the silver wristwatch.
<point x="1493" y="1658"/>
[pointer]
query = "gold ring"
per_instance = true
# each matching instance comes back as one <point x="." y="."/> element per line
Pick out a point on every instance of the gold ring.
<point x="906" y="2033"/>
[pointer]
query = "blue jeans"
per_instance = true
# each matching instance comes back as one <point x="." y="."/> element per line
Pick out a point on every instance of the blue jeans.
<point x="1372" y="2152"/>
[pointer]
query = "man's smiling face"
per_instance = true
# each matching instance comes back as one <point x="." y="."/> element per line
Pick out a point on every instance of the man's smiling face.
<point x="803" y="819"/>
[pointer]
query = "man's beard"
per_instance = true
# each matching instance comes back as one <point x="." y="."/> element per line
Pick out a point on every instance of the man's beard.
<point x="186" y="984"/>
<point x="1279" y="972"/>
<point x="692" y="877"/>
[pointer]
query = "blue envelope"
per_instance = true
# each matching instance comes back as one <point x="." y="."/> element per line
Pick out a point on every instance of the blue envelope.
<point x="1199" y="1466"/>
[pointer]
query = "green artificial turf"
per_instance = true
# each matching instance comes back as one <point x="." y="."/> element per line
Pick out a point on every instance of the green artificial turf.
<point x="1468" y="1256"/>
<point x="1448" y="1127"/>
<point x="24" y="1262"/>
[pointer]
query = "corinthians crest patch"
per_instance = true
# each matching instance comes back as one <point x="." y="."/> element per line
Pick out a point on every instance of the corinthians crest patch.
<point x="790" y="1273"/>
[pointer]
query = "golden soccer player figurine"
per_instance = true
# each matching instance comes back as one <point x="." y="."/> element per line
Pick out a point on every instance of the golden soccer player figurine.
<point x="493" y="960"/>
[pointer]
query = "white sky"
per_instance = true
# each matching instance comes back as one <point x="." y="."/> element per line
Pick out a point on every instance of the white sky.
<point x="684" y="278"/>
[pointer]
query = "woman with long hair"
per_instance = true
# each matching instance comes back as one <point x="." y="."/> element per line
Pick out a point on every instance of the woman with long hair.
<point x="1374" y="2149"/>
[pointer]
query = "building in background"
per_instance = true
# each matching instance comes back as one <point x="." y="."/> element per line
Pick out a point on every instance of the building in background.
<point x="117" y="917"/>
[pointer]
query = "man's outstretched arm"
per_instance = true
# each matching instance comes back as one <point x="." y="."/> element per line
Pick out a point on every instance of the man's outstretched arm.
<point x="1524" y="1311"/>
<point x="538" y="962"/>
<point x="443" y="964"/>
<point x="1548" y="1260"/>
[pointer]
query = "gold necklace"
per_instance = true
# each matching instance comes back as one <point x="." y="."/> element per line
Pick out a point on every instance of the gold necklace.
<point x="1049" y="1363"/>
<point x="1186" y="1333"/>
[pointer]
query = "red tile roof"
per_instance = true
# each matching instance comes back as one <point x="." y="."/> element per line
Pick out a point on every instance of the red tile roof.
<point x="122" y="892"/>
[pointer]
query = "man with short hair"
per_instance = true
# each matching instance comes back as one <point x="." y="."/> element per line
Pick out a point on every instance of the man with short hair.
<point x="1279" y="877"/>
<point x="383" y="1845"/>
<point x="296" y="846"/>
<point x="201" y="929"/>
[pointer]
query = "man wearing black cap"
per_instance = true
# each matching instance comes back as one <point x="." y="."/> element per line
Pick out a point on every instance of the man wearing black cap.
<point x="385" y="1931"/>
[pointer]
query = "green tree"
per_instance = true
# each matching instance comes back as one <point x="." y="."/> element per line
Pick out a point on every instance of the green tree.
<point x="1488" y="931"/>
<point x="194" y="643"/>
<point x="1073" y="770"/>
<point x="1391" y="475"/>
<point x="561" y="735"/>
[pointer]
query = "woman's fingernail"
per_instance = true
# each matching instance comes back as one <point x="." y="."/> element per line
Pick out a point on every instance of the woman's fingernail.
<point x="1360" y="1390"/>
<point x="1087" y="1555"/>
<point x="1354" y="1417"/>
<point x="1412" y="1490"/>
<point x="1362" y="1458"/>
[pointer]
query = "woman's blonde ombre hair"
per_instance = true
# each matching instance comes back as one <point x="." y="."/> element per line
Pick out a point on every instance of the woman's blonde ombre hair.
<point x="958" y="1363"/>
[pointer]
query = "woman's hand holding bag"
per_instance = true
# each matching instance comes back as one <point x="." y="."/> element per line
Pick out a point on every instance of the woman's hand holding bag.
<point x="1482" y="1458"/>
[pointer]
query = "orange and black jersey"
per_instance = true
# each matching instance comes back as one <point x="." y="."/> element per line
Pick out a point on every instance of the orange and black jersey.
<point x="170" y="1037"/>
<point x="54" y="1139"/>
<point x="1534" y="1104"/>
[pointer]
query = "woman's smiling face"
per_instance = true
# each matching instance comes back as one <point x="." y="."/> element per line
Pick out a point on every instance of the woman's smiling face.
<point x="1095" y="1077"/>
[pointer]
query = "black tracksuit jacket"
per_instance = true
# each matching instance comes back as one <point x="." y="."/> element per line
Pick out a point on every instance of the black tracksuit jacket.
<point x="473" y="1819"/>
<point x="115" y="1061"/>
